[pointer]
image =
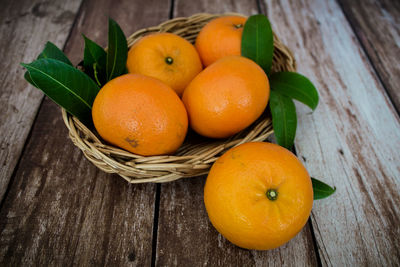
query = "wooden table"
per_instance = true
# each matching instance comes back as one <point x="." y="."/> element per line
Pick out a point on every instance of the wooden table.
<point x="58" y="209"/>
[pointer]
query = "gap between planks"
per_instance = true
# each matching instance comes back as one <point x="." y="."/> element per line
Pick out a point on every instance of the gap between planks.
<point x="24" y="26"/>
<point x="351" y="140"/>
<point x="185" y="235"/>
<point x="108" y="221"/>
<point x="25" y="142"/>
<point x="158" y="188"/>
<point x="376" y="24"/>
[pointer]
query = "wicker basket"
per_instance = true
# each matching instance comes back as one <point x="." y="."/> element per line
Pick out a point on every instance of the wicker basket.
<point x="197" y="154"/>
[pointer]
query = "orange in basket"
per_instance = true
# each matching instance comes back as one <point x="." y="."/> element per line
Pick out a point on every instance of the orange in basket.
<point x="140" y="114"/>
<point x="167" y="57"/>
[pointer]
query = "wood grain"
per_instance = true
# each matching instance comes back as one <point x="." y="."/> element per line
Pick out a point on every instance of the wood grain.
<point x="351" y="141"/>
<point x="185" y="235"/>
<point x="24" y="28"/>
<point x="377" y="26"/>
<point x="61" y="210"/>
<point x="130" y="15"/>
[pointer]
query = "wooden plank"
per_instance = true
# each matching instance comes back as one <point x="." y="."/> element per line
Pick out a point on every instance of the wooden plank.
<point x="24" y="25"/>
<point x="61" y="210"/>
<point x="185" y="235"/>
<point x="352" y="140"/>
<point x="377" y="26"/>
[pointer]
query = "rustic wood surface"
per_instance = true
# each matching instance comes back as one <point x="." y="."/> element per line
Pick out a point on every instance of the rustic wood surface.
<point x="58" y="214"/>
<point x="58" y="209"/>
<point x="187" y="238"/>
<point x="24" y="28"/>
<point x="351" y="140"/>
<point x="376" y="23"/>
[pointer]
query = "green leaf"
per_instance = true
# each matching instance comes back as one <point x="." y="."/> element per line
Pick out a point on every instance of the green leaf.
<point x="321" y="190"/>
<point x="52" y="51"/>
<point x="117" y="51"/>
<point x="258" y="41"/>
<point x="284" y="119"/>
<point x="94" y="55"/>
<point x="295" y="86"/>
<point x="68" y="87"/>
<point x="27" y="77"/>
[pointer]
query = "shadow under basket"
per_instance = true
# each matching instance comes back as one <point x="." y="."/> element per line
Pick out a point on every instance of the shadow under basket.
<point x="197" y="154"/>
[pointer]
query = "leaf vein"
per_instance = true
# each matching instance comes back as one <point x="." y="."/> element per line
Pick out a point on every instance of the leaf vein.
<point x="62" y="85"/>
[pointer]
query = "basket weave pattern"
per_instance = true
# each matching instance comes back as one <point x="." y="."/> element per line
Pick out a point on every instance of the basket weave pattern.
<point x="197" y="154"/>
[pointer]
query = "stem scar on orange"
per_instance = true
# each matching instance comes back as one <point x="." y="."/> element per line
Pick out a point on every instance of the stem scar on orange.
<point x="140" y="114"/>
<point x="167" y="57"/>
<point x="258" y="195"/>
<point x="219" y="38"/>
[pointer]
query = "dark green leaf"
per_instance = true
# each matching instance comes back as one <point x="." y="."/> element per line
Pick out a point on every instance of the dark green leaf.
<point x="321" y="190"/>
<point x="52" y="51"/>
<point x="94" y="54"/>
<point x="295" y="86"/>
<point x="68" y="87"/>
<point x="258" y="41"/>
<point x="117" y="51"/>
<point x="27" y="77"/>
<point x="284" y="119"/>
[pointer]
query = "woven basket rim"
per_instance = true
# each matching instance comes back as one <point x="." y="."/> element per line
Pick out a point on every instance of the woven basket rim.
<point x="191" y="159"/>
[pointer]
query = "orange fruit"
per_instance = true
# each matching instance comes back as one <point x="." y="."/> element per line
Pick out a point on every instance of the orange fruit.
<point x="226" y="97"/>
<point x="167" y="57"/>
<point x="258" y="195"/>
<point x="219" y="38"/>
<point x="140" y="114"/>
